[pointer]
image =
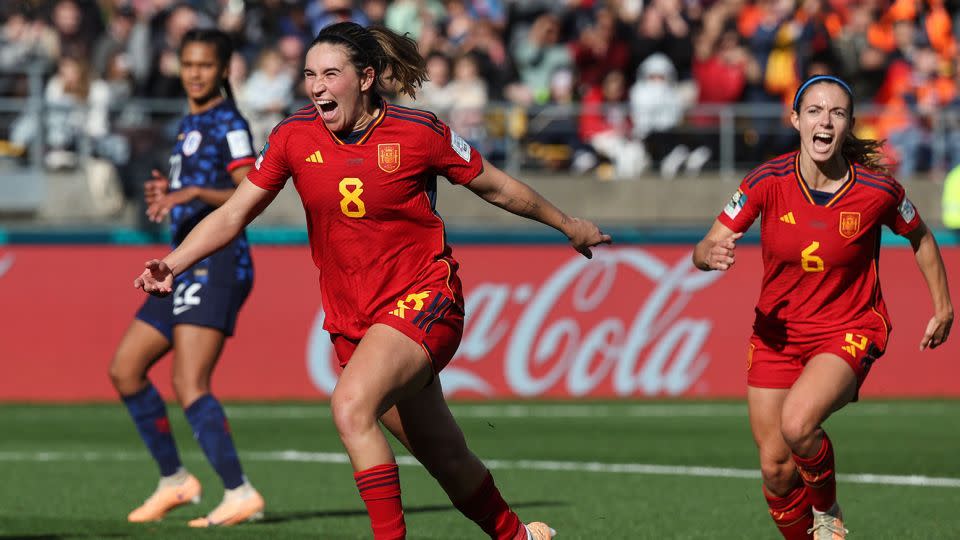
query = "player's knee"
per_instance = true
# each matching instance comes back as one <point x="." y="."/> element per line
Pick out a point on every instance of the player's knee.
<point x="351" y="413"/>
<point x="778" y="475"/>
<point x="188" y="388"/>
<point x="797" y="430"/>
<point x="125" y="379"/>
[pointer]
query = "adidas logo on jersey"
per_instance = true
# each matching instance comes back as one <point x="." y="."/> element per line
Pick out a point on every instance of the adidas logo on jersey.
<point x="788" y="218"/>
<point x="314" y="158"/>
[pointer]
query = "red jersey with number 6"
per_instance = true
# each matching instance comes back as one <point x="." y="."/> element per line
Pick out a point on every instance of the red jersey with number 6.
<point x="370" y="205"/>
<point x="820" y="250"/>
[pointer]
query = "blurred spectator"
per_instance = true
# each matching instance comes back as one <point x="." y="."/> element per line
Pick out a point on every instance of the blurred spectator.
<point x="321" y="13"/>
<point x="76" y="107"/>
<point x="599" y="50"/>
<point x="554" y="131"/>
<point x="657" y="106"/>
<point x="437" y="93"/>
<point x="489" y="50"/>
<point x="663" y="28"/>
<point x="538" y="57"/>
<point x="862" y="64"/>
<point x="918" y="92"/>
<point x="605" y="126"/>
<point x="26" y="40"/>
<point x="411" y="16"/>
<point x="76" y="25"/>
<point x="456" y="21"/>
<point x="266" y="95"/>
<point x="470" y="92"/>
<point x="375" y="10"/>
<point x="491" y="11"/>
<point x="116" y="40"/>
<point x="164" y="78"/>
<point x="722" y="66"/>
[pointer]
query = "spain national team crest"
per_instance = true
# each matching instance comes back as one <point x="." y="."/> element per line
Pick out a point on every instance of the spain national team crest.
<point x="388" y="157"/>
<point x="849" y="224"/>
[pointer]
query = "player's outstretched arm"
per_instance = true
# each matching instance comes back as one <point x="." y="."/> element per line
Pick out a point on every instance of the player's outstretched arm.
<point x="927" y="252"/>
<point x="500" y="189"/>
<point x="717" y="249"/>
<point x="212" y="233"/>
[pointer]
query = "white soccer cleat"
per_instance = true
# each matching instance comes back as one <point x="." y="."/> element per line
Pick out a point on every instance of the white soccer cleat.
<point x="175" y="490"/>
<point x="239" y="505"/>
<point x="828" y="525"/>
<point x="539" y="531"/>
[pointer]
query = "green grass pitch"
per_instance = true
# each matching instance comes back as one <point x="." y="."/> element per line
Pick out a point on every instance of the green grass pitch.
<point x="660" y="469"/>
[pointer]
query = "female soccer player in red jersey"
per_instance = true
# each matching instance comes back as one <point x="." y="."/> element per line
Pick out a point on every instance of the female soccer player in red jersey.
<point x="366" y="173"/>
<point x="820" y="320"/>
<point x="214" y="151"/>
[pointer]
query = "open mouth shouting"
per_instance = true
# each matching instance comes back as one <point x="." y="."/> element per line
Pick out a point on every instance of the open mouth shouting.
<point x="822" y="142"/>
<point x="327" y="108"/>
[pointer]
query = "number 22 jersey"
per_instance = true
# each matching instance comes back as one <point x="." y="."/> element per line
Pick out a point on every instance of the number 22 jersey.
<point x="820" y="251"/>
<point x="370" y="206"/>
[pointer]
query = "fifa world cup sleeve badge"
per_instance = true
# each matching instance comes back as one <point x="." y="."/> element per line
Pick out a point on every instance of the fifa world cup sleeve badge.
<point x="732" y="209"/>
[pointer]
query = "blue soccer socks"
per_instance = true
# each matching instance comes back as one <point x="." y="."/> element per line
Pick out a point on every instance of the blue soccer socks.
<point x="149" y="413"/>
<point x="212" y="431"/>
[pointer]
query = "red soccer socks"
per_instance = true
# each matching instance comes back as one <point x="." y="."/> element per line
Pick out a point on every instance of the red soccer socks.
<point x="379" y="488"/>
<point x="487" y="508"/>
<point x="792" y="514"/>
<point x="818" y="475"/>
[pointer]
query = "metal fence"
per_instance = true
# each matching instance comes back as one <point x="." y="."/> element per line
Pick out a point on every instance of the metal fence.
<point x="734" y="138"/>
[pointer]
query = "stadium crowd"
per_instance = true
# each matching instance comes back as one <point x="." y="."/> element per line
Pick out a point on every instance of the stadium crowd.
<point x="614" y="86"/>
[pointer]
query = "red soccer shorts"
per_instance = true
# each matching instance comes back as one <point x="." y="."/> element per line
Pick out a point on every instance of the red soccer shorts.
<point x="429" y="315"/>
<point x="768" y="367"/>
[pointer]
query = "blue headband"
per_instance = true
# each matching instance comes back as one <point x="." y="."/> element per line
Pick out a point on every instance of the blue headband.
<point x="821" y="78"/>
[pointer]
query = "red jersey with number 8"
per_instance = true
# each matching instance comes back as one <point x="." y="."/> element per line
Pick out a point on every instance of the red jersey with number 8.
<point x="370" y="206"/>
<point x="820" y="251"/>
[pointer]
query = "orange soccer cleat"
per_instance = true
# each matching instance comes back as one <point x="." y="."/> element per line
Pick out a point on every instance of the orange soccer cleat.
<point x="172" y="491"/>
<point x="828" y="525"/>
<point x="238" y="506"/>
<point x="539" y="531"/>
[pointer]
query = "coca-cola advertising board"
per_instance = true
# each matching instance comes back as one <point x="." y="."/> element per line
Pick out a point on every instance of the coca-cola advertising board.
<point x="542" y="322"/>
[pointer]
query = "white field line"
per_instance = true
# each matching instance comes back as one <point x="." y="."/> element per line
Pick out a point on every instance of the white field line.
<point x="588" y="410"/>
<point x="296" y="456"/>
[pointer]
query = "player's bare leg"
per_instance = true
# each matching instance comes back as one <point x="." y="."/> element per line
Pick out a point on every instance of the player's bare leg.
<point x="140" y="348"/>
<point x="386" y="367"/>
<point x="826" y="385"/>
<point x="196" y="352"/>
<point x="425" y="425"/>
<point x="783" y="489"/>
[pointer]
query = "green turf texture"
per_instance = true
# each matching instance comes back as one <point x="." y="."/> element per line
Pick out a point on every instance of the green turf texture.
<point x="69" y="497"/>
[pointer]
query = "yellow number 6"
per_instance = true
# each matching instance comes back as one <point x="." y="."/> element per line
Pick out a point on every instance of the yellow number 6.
<point x="352" y="196"/>
<point x="809" y="261"/>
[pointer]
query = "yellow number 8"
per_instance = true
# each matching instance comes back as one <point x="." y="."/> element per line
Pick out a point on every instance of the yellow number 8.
<point x="352" y="196"/>
<point x="809" y="261"/>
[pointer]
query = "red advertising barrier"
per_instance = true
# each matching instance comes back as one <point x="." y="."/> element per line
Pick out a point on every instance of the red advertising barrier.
<point x="634" y="322"/>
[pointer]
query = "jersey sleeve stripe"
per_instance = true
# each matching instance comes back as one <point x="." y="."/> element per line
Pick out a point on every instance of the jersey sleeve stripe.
<point x="770" y="165"/>
<point x="242" y="162"/>
<point x="426" y="115"/>
<point x="436" y="130"/>
<point x="785" y="168"/>
<point x="296" y="118"/>
<point x="878" y="179"/>
<point x="886" y="189"/>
